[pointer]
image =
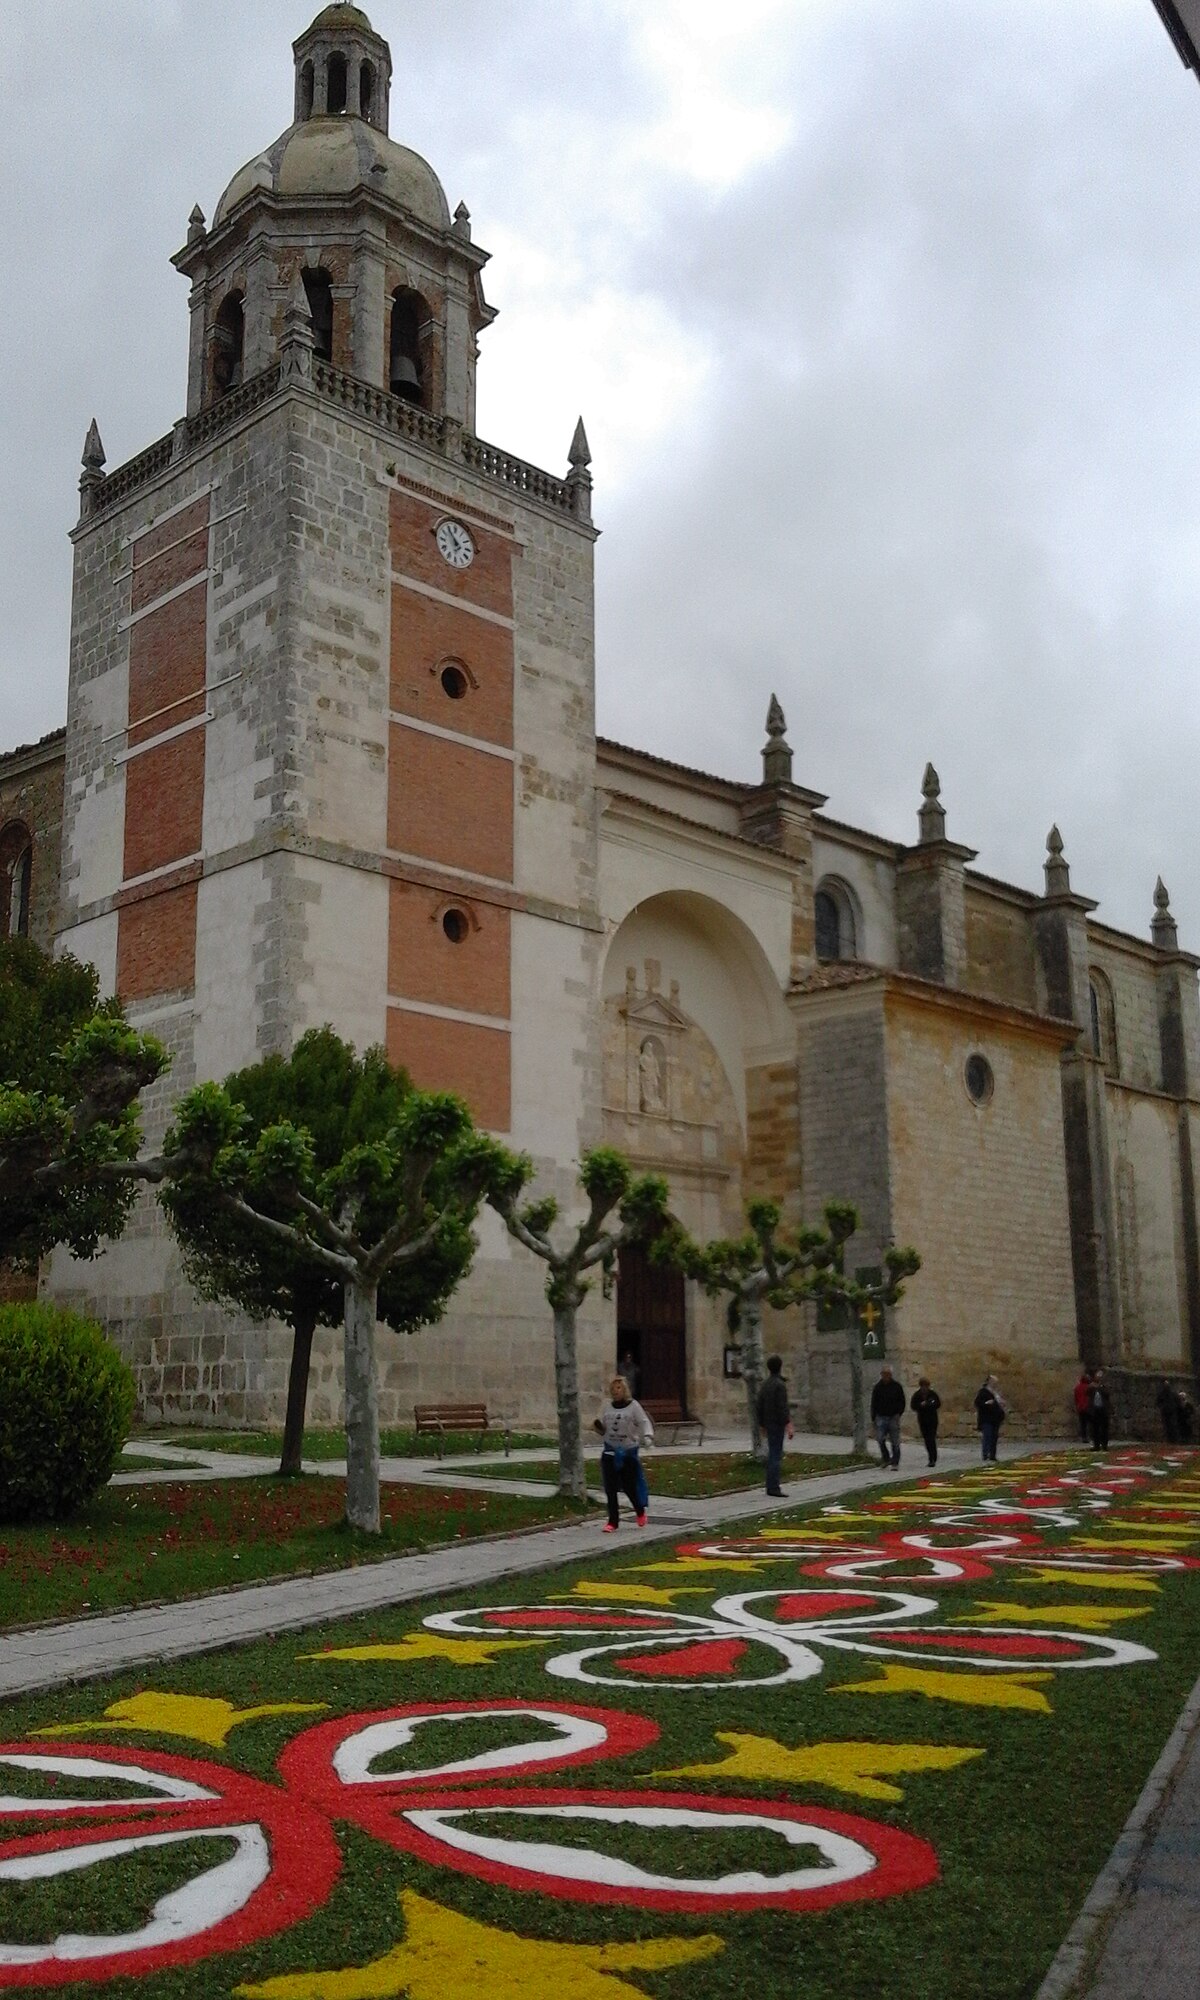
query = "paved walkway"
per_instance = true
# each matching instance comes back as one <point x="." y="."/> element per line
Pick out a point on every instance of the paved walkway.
<point x="1152" y="1951"/>
<point x="50" y="1655"/>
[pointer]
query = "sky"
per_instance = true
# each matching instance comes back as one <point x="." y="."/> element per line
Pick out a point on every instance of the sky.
<point x="883" y="317"/>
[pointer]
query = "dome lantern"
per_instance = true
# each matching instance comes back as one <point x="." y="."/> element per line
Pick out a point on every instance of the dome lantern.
<point x="343" y="69"/>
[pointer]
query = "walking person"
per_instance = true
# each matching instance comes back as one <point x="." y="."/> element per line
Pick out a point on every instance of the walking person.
<point x="773" y="1412"/>
<point x="1083" y="1406"/>
<point x="1185" y="1411"/>
<point x="990" y="1412"/>
<point x="1101" y="1410"/>
<point x="887" y="1408"/>
<point x="1167" y="1400"/>
<point x="925" y="1406"/>
<point x="624" y="1427"/>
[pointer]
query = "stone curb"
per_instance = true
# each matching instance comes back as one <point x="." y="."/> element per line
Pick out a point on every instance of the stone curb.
<point x="1108" y="1890"/>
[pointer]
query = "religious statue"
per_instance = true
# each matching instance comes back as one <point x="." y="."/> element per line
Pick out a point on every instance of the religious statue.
<point x="650" y="1072"/>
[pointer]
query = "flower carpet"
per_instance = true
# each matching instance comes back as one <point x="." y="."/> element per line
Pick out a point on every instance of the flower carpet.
<point x="883" y="1744"/>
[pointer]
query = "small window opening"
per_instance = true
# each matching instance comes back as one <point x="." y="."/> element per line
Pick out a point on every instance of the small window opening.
<point x="366" y="89"/>
<point x="455" y="682"/>
<point x="407" y="374"/>
<point x="318" y="290"/>
<point x="1103" y="1021"/>
<point x="828" y="927"/>
<point x="16" y="880"/>
<point x="456" y="926"/>
<point x="229" y="339"/>
<point x="978" y="1078"/>
<point x="335" y="99"/>
<point x="304" y="108"/>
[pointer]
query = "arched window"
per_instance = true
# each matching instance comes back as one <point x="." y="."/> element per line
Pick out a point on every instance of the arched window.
<point x="366" y="89"/>
<point x="335" y="99"/>
<point x="1103" y="1021"/>
<point x="229" y="340"/>
<point x="406" y="374"/>
<point x="318" y="290"/>
<point x="16" y="879"/>
<point x="304" y="102"/>
<point x="835" y="922"/>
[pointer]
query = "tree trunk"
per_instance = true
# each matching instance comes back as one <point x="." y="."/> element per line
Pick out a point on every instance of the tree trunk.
<point x="362" y="1409"/>
<point x="566" y="1384"/>
<point x="304" y="1321"/>
<point x="750" y="1314"/>
<point x="858" y="1400"/>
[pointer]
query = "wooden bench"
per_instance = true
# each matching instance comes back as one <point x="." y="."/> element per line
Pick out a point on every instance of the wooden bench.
<point x="666" y="1416"/>
<point x="435" y="1419"/>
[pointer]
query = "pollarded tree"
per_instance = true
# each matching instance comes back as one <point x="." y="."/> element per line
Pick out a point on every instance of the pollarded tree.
<point x="381" y="1209"/>
<point x="341" y="1100"/>
<point x="71" y="1072"/>
<point x="640" y="1205"/>
<point x="781" y="1267"/>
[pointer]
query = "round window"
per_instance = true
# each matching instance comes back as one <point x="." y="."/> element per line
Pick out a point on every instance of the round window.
<point x="454" y="682"/>
<point x="979" y="1079"/>
<point x="455" y="925"/>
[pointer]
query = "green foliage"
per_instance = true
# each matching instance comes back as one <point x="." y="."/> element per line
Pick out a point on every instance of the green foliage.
<point x="783" y="1266"/>
<point x="66" y="1402"/>
<point x="347" y="1133"/>
<point x="71" y="1071"/>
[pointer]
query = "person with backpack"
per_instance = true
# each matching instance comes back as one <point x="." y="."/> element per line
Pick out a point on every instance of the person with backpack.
<point x="925" y="1406"/>
<point x="990" y="1412"/>
<point x="773" y="1412"/>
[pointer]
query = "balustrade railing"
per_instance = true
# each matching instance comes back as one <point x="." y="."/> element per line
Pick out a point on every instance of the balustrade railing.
<point x="392" y="413"/>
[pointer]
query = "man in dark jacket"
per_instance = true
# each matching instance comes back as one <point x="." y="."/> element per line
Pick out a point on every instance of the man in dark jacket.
<point x="887" y="1408"/>
<point x="990" y="1412"/>
<point x="775" y="1421"/>
<point x="925" y="1405"/>
<point x="1167" y="1400"/>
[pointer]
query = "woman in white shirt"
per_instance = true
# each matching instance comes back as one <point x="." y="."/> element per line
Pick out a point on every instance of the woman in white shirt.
<point x="624" y="1427"/>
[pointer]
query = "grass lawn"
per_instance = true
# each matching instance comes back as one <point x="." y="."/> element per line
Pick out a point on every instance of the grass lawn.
<point x="698" y="1475"/>
<point x="321" y="1445"/>
<point x="940" y="1762"/>
<point x="143" y="1544"/>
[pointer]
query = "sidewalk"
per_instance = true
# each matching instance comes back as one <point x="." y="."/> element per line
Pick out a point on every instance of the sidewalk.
<point x="1138" y="1934"/>
<point x="51" y="1655"/>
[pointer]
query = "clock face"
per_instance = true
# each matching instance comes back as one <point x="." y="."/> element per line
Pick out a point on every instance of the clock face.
<point x="455" y="544"/>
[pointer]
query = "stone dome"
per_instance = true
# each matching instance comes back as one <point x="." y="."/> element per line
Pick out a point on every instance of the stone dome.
<point x="332" y="156"/>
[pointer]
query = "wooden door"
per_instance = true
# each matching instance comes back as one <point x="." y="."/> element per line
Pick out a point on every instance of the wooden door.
<point x="652" y="1326"/>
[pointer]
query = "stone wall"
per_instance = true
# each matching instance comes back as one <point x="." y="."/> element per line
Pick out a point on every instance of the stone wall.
<point x="980" y="1190"/>
<point x="31" y="796"/>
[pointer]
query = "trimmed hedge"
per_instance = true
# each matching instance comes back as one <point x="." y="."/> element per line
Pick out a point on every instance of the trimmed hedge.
<point x="66" y="1402"/>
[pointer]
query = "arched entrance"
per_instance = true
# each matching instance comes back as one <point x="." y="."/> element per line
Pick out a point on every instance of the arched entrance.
<point x="652" y="1328"/>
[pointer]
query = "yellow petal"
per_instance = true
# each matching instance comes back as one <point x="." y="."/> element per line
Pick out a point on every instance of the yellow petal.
<point x="857" y="1768"/>
<point x="446" y="1956"/>
<point x="972" y="1690"/>
<point x="200" y="1718"/>
<point x="1085" y="1617"/>
<point x="1089" y="1579"/>
<point x="430" y="1646"/>
<point x="629" y="1593"/>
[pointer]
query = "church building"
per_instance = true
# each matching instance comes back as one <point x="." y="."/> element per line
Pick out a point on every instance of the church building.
<point x="330" y="756"/>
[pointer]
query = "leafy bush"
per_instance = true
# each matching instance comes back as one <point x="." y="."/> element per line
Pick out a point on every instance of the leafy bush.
<point x="66" y="1400"/>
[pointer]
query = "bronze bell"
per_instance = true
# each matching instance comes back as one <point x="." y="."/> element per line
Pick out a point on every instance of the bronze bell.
<point x="406" y="378"/>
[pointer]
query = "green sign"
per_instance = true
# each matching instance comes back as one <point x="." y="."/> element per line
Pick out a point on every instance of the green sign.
<point x="872" y="1319"/>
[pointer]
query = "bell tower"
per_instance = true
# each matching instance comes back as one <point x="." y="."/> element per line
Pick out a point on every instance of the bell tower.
<point x="392" y="281"/>
<point x="343" y="69"/>
<point x="330" y="736"/>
